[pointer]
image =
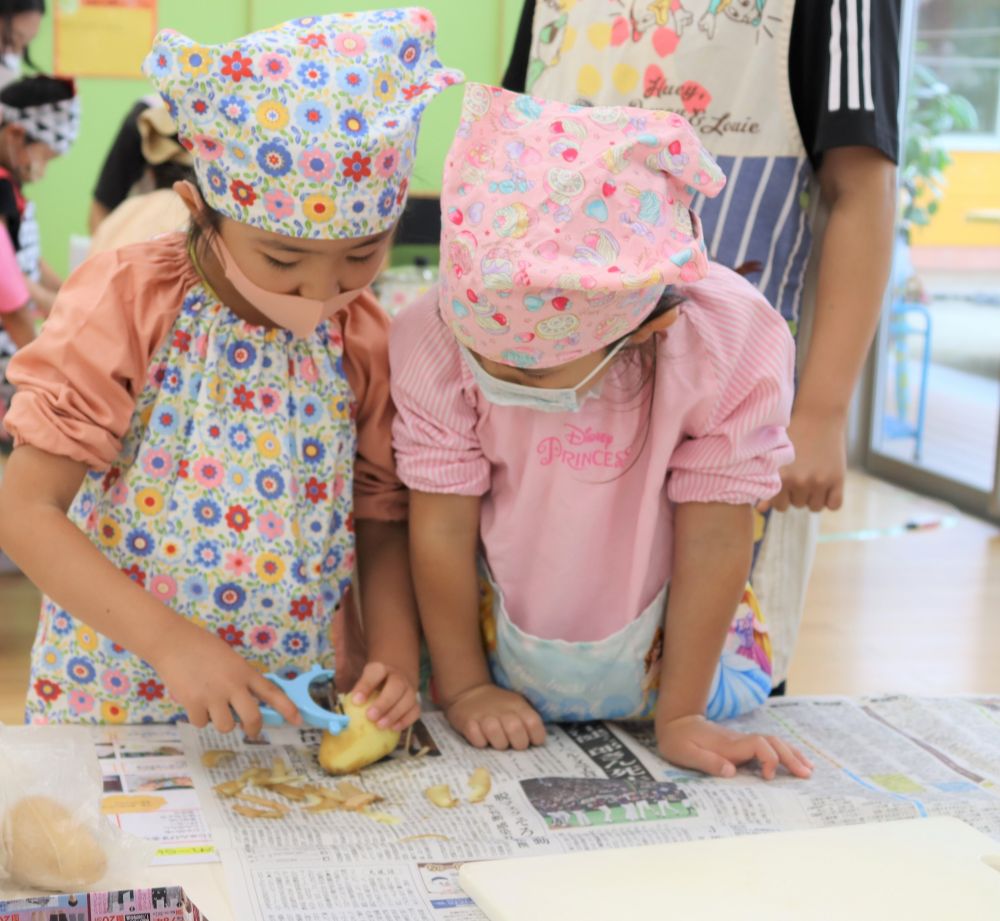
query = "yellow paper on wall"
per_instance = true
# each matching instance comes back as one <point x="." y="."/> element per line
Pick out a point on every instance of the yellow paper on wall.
<point x="103" y="38"/>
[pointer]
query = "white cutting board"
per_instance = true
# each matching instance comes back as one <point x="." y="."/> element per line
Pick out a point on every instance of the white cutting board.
<point x="919" y="869"/>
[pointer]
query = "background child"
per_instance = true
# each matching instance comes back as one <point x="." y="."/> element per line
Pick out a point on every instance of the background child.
<point x="203" y="420"/>
<point x="41" y="120"/>
<point x="558" y="437"/>
<point x="20" y="21"/>
<point x="16" y="330"/>
<point x="147" y="214"/>
<point x="15" y="322"/>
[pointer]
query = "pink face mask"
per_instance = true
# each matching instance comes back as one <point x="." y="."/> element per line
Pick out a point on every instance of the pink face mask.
<point x="299" y="315"/>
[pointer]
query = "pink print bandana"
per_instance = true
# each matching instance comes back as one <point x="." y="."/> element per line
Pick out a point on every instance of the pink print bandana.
<point x="563" y="225"/>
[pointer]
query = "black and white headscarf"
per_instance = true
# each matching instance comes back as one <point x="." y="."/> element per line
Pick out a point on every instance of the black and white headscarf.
<point x="56" y="123"/>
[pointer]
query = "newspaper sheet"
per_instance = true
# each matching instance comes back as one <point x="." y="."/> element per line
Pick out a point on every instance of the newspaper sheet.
<point x="592" y="786"/>
<point x="149" y="791"/>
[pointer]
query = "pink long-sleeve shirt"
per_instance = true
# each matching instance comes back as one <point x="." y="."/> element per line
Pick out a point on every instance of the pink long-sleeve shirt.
<point x="577" y="508"/>
<point x="13" y="290"/>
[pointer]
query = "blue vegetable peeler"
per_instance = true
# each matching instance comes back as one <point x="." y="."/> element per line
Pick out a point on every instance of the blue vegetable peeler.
<point x="312" y="713"/>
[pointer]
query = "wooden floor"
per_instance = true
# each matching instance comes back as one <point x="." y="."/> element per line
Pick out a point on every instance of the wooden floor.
<point x="917" y="613"/>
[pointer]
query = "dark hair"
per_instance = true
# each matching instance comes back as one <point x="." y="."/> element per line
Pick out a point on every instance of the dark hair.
<point x="166" y="174"/>
<point x="645" y="354"/>
<point x="38" y="90"/>
<point x="8" y="10"/>
<point x="199" y="235"/>
<point x="643" y="360"/>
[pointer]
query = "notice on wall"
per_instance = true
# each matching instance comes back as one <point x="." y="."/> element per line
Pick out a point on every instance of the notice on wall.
<point x="103" y="38"/>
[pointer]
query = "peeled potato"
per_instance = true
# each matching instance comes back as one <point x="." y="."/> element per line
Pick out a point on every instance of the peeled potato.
<point x="360" y="744"/>
<point x="49" y="849"/>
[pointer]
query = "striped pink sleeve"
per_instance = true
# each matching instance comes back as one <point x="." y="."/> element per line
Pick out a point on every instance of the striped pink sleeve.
<point x="735" y="455"/>
<point x="434" y="434"/>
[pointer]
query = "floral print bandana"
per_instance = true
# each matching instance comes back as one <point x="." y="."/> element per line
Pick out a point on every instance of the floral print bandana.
<point x="308" y="129"/>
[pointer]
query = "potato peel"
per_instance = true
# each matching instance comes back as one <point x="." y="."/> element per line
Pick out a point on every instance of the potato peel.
<point x="252" y="813"/>
<point x="361" y="802"/>
<point x="441" y="796"/>
<point x="265" y="803"/>
<point x="327" y="805"/>
<point x="269" y="783"/>
<point x="230" y="788"/>
<point x="311" y="798"/>
<point x="255" y="775"/>
<point x="348" y="790"/>
<point x="383" y="818"/>
<point x="215" y="757"/>
<point x="480" y="783"/>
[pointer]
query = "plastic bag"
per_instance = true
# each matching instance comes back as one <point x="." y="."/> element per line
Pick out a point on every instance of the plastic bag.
<point x="53" y="834"/>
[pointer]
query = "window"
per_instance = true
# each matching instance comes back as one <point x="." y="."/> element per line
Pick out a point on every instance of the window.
<point x="959" y="41"/>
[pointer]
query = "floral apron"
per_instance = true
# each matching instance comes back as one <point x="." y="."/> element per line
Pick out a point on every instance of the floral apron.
<point x="617" y="678"/>
<point x="230" y="502"/>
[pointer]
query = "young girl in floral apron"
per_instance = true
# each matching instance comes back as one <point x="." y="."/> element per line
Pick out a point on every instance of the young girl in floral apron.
<point x="587" y="413"/>
<point x="205" y="421"/>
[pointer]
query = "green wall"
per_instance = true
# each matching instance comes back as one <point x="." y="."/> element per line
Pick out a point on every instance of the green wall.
<point x="474" y="35"/>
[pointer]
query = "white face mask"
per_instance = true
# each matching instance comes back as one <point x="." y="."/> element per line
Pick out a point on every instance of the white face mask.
<point x="542" y="399"/>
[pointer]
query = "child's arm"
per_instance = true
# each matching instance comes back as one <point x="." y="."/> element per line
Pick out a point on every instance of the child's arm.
<point x="859" y="184"/>
<point x="41" y="296"/>
<point x="388" y="607"/>
<point x="49" y="277"/>
<point x="444" y="544"/>
<point x="18" y="326"/>
<point x="391" y="627"/>
<point x="206" y="676"/>
<point x="713" y="547"/>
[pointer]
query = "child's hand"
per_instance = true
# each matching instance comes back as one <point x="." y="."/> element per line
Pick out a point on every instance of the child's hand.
<point x="489" y="716"/>
<point x="694" y="742"/>
<point x="398" y="706"/>
<point x="210" y="681"/>
<point x="815" y="479"/>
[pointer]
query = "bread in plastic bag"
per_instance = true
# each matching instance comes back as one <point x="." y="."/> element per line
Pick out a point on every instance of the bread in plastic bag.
<point x="53" y="834"/>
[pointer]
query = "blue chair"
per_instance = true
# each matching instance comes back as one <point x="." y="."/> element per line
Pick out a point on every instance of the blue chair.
<point x="906" y="320"/>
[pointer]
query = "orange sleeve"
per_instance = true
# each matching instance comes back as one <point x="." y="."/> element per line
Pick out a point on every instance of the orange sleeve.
<point x="378" y="493"/>
<point x="77" y="384"/>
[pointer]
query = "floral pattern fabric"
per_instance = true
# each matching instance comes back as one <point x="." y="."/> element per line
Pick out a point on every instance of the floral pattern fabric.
<point x="231" y="502"/>
<point x="308" y="129"/>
